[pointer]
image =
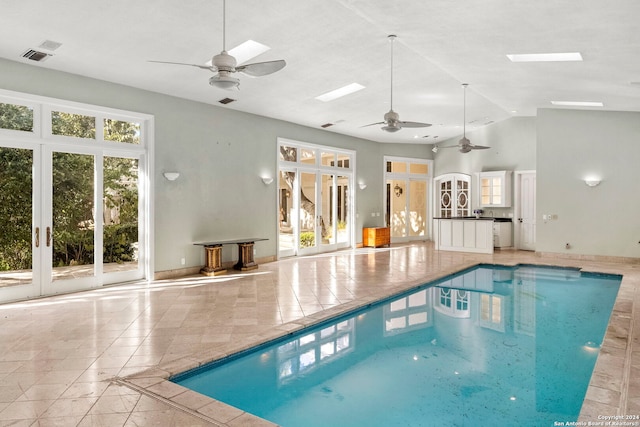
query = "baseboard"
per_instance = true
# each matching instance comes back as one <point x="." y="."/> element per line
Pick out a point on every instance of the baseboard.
<point x="595" y="258"/>
<point x="190" y="271"/>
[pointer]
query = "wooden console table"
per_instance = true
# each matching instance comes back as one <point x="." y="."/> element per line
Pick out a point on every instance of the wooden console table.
<point x="213" y="255"/>
<point x="376" y="236"/>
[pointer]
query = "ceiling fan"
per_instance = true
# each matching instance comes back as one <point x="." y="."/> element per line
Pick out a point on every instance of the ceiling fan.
<point x="392" y="122"/>
<point x="464" y="145"/>
<point x="224" y="65"/>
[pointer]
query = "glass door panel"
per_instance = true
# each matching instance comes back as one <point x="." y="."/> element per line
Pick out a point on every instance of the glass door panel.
<point x="72" y="235"/>
<point x="343" y="208"/>
<point x="396" y="207"/>
<point x="287" y="223"/>
<point x="417" y="208"/>
<point x="120" y="215"/>
<point x="16" y="217"/>
<point x="328" y="218"/>
<point x="307" y="224"/>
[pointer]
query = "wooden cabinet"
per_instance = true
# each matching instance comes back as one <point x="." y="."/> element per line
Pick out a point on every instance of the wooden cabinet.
<point x="495" y="189"/>
<point x="376" y="236"/>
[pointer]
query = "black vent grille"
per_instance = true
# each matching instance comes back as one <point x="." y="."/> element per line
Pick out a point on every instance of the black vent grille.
<point x="326" y="125"/>
<point x="226" y="101"/>
<point x="35" y="55"/>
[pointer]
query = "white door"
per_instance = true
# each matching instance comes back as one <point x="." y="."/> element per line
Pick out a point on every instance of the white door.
<point x="72" y="218"/>
<point x="525" y="224"/>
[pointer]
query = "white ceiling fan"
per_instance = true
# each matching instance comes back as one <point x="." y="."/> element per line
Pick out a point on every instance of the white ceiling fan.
<point x="464" y="145"/>
<point x="224" y="65"/>
<point x="392" y="122"/>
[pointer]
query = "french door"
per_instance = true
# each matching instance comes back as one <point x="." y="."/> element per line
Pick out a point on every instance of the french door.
<point x="314" y="199"/>
<point x="406" y="195"/>
<point x="70" y="218"/>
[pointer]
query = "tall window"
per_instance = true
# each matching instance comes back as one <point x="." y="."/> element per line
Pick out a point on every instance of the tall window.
<point x="453" y="192"/>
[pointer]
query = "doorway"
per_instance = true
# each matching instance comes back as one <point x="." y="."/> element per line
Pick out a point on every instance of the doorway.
<point x="73" y="214"/>
<point x="406" y="194"/>
<point x="525" y="210"/>
<point x="315" y="207"/>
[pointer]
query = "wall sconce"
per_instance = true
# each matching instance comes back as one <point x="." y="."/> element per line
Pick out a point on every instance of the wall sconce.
<point x="171" y="176"/>
<point x="362" y="185"/>
<point x="397" y="190"/>
<point x="267" y="180"/>
<point x="592" y="182"/>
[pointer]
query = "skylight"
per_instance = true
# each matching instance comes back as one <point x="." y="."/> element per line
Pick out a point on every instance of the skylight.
<point x="246" y="51"/>
<point x="578" y="103"/>
<point x="338" y="93"/>
<point x="545" y="57"/>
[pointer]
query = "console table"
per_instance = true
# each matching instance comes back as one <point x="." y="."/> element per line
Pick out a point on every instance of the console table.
<point x="213" y="255"/>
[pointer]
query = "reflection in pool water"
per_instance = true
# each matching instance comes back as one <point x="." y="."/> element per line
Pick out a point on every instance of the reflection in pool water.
<point x="487" y="346"/>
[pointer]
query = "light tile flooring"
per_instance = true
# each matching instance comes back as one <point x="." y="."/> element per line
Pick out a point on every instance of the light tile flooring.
<point x="101" y="357"/>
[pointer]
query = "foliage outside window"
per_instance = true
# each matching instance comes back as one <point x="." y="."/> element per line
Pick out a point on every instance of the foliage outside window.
<point x="76" y="125"/>
<point x="16" y="117"/>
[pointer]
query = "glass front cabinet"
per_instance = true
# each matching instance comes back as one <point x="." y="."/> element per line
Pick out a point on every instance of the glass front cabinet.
<point x="495" y="189"/>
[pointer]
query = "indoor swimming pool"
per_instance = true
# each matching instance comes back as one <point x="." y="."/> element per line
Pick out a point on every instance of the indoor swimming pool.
<point x="490" y="346"/>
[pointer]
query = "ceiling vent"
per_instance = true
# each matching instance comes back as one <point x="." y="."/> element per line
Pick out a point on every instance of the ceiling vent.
<point x="34" y="55"/>
<point x="326" y="125"/>
<point x="226" y="101"/>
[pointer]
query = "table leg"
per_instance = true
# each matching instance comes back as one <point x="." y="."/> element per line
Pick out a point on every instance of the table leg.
<point x="245" y="257"/>
<point x="213" y="263"/>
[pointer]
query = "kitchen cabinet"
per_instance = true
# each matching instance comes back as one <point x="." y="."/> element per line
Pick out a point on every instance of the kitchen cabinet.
<point x="463" y="235"/>
<point x="495" y="189"/>
<point x="502" y="234"/>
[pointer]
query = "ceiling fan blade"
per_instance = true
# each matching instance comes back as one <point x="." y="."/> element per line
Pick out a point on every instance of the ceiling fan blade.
<point x="479" y="147"/>
<point x="258" y="69"/>
<point x="204" y="67"/>
<point x="413" y="124"/>
<point x="374" y="124"/>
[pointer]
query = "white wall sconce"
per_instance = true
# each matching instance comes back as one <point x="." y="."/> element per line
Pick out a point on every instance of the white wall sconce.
<point x="267" y="180"/>
<point x="171" y="176"/>
<point x="592" y="182"/>
<point x="362" y="185"/>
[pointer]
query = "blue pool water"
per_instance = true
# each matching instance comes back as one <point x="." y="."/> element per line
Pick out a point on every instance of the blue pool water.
<point x="489" y="346"/>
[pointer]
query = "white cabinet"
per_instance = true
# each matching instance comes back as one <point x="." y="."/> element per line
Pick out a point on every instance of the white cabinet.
<point x="502" y="234"/>
<point x="495" y="189"/>
<point x="463" y="235"/>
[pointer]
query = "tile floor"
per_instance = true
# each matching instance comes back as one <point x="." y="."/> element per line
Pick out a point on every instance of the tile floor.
<point x="101" y="357"/>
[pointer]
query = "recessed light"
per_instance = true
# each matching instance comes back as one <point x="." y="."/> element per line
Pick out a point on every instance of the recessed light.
<point x="338" y="93"/>
<point x="545" y="57"/>
<point x="577" y="103"/>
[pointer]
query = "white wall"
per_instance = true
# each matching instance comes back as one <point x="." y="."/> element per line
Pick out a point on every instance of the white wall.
<point x="220" y="154"/>
<point x="602" y="220"/>
<point x="513" y="147"/>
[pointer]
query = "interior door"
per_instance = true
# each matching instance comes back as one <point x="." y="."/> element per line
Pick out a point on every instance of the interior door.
<point x="525" y="226"/>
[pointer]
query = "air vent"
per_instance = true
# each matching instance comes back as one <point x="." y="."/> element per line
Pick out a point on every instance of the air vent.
<point x="326" y="125"/>
<point x="226" y="101"/>
<point x="34" y="55"/>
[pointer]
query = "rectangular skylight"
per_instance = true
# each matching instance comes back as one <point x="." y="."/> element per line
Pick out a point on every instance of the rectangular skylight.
<point x="578" y="103"/>
<point x="545" y="57"/>
<point x="338" y="93"/>
<point x="246" y="51"/>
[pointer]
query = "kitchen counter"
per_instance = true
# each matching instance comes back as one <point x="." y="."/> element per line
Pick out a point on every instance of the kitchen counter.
<point x="464" y="234"/>
<point x="482" y="218"/>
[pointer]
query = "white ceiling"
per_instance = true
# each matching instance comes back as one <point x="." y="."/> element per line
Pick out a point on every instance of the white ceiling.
<point x="331" y="43"/>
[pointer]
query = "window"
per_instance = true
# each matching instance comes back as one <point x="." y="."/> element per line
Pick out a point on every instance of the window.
<point x="16" y="117"/>
<point x="453" y="195"/>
